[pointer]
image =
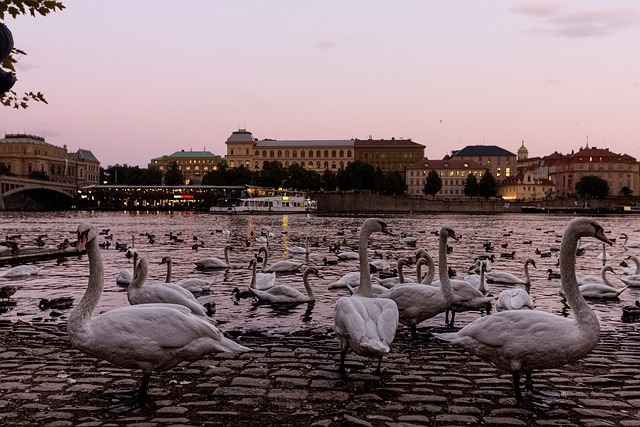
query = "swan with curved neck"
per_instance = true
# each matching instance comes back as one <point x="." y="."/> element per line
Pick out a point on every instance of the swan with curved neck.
<point x="281" y="266"/>
<point x="634" y="244"/>
<point x="125" y="275"/>
<point x="400" y="279"/>
<point x="213" y="263"/>
<point x="149" y="337"/>
<point x="300" y="250"/>
<point x="520" y="341"/>
<point x="283" y="293"/>
<point x="508" y="278"/>
<point x="364" y="324"/>
<point x="632" y="271"/>
<point x="417" y="302"/>
<point x="194" y="285"/>
<point x="424" y="258"/>
<point x="602" y="289"/>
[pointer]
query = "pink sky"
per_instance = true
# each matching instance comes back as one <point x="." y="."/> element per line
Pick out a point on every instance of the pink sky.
<point x="133" y="80"/>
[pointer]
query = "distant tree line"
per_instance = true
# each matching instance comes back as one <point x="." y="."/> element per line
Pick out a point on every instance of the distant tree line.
<point x="487" y="187"/>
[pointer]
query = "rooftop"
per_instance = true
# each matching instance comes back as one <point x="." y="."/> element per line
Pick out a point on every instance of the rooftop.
<point x="483" y="150"/>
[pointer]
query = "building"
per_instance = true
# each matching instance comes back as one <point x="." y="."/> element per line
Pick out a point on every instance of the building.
<point x="452" y="171"/>
<point x="619" y="170"/>
<point x="25" y="155"/>
<point x="193" y="164"/>
<point x="525" y="186"/>
<point x="320" y="155"/>
<point x="500" y="162"/>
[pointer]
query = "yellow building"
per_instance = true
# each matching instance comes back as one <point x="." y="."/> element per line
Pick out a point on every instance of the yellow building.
<point x="24" y="155"/>
<point x="453" y="172"/>
<point x="193" y="164"/>
<point x="525" y="186"/>
<point x="500" y="162"/>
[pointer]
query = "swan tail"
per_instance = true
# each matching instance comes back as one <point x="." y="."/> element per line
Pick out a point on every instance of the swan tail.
<point x="225" y="344"/>
<point x="447" y="336"/>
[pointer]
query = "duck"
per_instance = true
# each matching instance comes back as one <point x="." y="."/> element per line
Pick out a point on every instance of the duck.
<point x="149" y="337"/>
<point x="363" y="324"/>
<point x="214" y="263"/>
<point x="631" y="312"/>
<point x="508" y="278"/>
<point x="521" y="341"/>
<point x="417" y="302"/>
<point x="194" y="285"/>
<point x="281" y="266"/>
<point x="60" y="303"/>
<point x="285" y="293"/>
<point x="7" y="292"/>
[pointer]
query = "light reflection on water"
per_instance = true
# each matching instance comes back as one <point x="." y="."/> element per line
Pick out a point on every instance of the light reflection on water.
<point x="70" y="277"/>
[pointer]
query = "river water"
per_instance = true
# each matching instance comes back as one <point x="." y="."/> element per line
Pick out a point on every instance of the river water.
<point x="69" y="278"/>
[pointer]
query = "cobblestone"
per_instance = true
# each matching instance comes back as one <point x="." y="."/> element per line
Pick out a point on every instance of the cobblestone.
<point x="290" y="380"/>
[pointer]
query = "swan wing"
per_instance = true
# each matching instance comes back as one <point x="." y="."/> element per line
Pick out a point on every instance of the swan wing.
<point x="163" y="294"/>
<point x="502" y="277"/>
<point x="280" y="293"/>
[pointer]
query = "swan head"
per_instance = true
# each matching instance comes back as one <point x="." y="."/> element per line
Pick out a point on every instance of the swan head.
<point x="376" y="225"/>
<point x="311" y="270"/>
<point x="448" y="233"/>
<point x="531" y="261"/>
<point x="586" y="227"/>
<point x="131" y="253"/>
<point x="609" y="268"/>
<point x="166" y="260"/>
<point x="86" y="232"/>
<point x="142" y="270"/>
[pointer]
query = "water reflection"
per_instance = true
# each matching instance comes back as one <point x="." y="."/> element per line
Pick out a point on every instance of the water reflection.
<point x="526" y="235"/>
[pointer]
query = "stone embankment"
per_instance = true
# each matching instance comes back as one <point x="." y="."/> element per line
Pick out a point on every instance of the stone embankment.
<point x="292" y="380"/>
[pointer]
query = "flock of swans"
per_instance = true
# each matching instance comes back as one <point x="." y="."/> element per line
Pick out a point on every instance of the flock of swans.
<point x="165" y="324"/>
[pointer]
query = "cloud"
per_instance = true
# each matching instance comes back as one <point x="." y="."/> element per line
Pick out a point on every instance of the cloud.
<point x="580" y="23"/>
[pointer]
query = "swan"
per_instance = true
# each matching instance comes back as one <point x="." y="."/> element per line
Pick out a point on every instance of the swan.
<point x="364" y="324"/>
<point x="344" y="256"/>
<point x="261" y="281"/>
<point x="213" y="263"/>
<point x="161" y="293"/>
<point x="508" y="278"/>
<point x="634" y="244"/>
<point x="428" y="278"/>
<point x="389" y="282"/>
<point x="351" y="278"/>
<point x="381" y="264"/>
<point x="287" y="294"/>
<point x="417" y="302"/>
<point x="632" y="271"/>
<point x="478" y="280"/>
<point x="514" y="299"/>
<point x="125" y="275"/>
<point x="299" y="250"/>
<point x="520" y="341"/>
<point x="604" y="256"/>
<point x="21" y="271"/>
<point x="150" y="337"/>
<point x="602" y="279"/>
<point x="599" y="287"/>
<point x="194" y="285"/>
<point x="282" y="266"/>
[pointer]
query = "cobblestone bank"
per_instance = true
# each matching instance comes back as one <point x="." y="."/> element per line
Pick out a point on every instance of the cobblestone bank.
<point x="292" y="380"/>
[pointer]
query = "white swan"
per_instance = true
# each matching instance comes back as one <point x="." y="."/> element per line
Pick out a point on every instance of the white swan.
<point x="601" y="279"/>
<point x="363" y="324"/>
<point x="514" y="299"/>
<point x="194" y="285"/>
<point x="523" y="340"/>
<point x="125" y="275"/>
<point x="21" y="271"/>
<point x="417" y="302"/>
<point x="427" y="279"/>
<point x="632" y="271"/>
<point x="281" y="266"/>
<point x="261" y="281"/>
<point x="285" y="293"/>
<point x="508" y="278"/>
<point x="478" y="280"/>
<point x="604" y="256"/>
<point x="344" y="256"/>
<point x="150" y="337"/>
<point x="634" y="244"/>
<point x="600" y="289"/>
<point x="213" y="263"/>
<point x="299" y="250"/>
<point x="390" y="282"/>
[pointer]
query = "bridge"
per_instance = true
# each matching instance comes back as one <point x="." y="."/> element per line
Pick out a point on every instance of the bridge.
<point x="25" y="193"/>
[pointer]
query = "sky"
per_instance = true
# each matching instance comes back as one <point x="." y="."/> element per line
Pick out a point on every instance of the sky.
<point x="135" y="80"/>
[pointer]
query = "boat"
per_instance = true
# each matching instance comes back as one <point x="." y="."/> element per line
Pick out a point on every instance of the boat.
<point x="260" y="200"/>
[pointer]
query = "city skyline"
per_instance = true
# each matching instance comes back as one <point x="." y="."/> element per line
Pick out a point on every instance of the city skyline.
<point x="134" y="81"/>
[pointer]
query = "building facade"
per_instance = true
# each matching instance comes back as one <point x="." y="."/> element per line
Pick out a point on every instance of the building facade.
<point x="453" y="172"/>
<point x="24" y="155"/>
<point x="320" y="155"/>
<point x="525" y="186"/>
<point x="500" y="162"/>
<point x="193" y="164"/>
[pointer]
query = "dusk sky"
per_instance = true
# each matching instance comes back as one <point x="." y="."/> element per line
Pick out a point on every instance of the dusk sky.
<point x="134" y="80"/>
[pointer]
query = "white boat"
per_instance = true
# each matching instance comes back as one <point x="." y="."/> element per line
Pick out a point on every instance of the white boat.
<point x="260" y="200"/>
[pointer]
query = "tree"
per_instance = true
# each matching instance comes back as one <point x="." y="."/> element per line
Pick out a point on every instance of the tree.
<point x="173" y="175"/>
<point x="433" y="184"/>
<point x="592" y="187"/>
<point x="329" y="181"/>
<point x="357" y="176"/>
<point x="487" y="187"/>
<point x="4" y="169"/>
<point x="471" y="186"/>
<point x="626" y="191"/>
<point x="15" y="8"/>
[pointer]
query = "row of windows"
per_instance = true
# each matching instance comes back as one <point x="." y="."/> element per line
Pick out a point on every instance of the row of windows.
<point x="310" y="165"/>
<point x="394" y="155"/>
<point x="273" y="153"/>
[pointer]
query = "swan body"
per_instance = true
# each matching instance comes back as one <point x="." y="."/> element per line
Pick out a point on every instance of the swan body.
<point x="299" y="250"/>
<point x="347" y="255"/>
<point x="364" y="324"/>
<point x="21" y="271"/>
<point x="523" y="340"/>
<point x="634" y="244"/>
<point x="287" y="294"/>
<point x="261" y="281"/>
<point x="351" y="278"/>
<point x="632" y="281"/>
<point x="125" y="275"/>
<point x="514" y="299"/>
<point x="213" y="263"/>
<point x="149" y="337"/>
<point x="417" y="302"/>
<point x="632" y="271"/>
<point x="508" y="278"/>
<point x="192" y="285"/>
<point x="282" y="266"/>
<point x="390" y="282"/>
<point x="604" y="256"/>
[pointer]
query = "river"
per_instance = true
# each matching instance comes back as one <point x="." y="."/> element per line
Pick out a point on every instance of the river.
<point x="514" y="231"/>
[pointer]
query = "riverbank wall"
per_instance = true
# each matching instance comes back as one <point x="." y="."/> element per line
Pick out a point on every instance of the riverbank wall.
<point x="357" y="203"/>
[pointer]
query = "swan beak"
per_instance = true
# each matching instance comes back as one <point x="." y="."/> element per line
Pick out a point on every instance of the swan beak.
<point x="600" y="236"/>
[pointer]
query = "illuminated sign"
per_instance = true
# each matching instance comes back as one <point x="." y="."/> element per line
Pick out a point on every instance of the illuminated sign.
<point x="183" y="196"/>
<point x="285" y="198"/>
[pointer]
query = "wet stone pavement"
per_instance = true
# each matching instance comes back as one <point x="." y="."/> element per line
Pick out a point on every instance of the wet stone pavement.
<point x="291" y="380"/>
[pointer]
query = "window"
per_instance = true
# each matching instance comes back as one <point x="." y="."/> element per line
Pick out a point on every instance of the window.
<point x="257" y="153"/>
<point x="326" y="153"/>
<point x="341" y="153"/>
<point x="279" y="153"/>
<point x="295" y="153"/>
<point x="310" y="153"/>
<point x="286" y="153"/>
<point x="318" y="154"/>
<point x="302" y="153"/>
<point x="264" y="153"/>
<point x="326" y="165"/>
<point x="348" y="153"/>
<point x="271" y="153"/>
<point x="318" y="165"/>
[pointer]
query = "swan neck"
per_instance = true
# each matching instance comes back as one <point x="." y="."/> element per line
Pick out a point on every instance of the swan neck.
<point x="307" y="285"/>
<point x="432" y="269"/>
<point x="168" y="278"/>
<point x="253" y="275"/>
<point x="365" y="288"/>
<point x="265" y="260"/>
<point x="84" y="310"/>
<point x="443" y="270"/>
<point x="527" y="279"/>
<point x="400" y="272"/>
<point x="226" y="255"/>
